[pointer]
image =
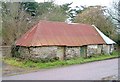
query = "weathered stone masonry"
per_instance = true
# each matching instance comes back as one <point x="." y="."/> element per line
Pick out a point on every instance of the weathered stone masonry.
<point x="38" y="52"/>
<point x="72" y="52"/>
<point x="94" y="49"/>
<point x="61" y="52"/>
<point x="49" y="52"/>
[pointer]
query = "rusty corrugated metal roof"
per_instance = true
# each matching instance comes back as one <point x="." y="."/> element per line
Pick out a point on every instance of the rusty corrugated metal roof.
<point x="47" y="33"/>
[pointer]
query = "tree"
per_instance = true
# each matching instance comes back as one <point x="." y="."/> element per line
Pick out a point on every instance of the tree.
<point x="96" y="15"/>
<point x="52" y="12"/>
<point x="114" y="12"/>
<point x="15" y="22"/>
<point x="47" y="10"/>
<point x="18" y="17"/>
<point x="30" y="7"/>
<point x="75" y="11"/>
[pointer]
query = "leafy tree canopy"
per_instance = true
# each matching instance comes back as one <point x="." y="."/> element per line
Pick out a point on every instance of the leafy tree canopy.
<point x="95" y="15"/>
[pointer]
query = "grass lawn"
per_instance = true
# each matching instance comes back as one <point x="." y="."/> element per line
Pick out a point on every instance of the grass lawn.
<point x="58" y="63"/>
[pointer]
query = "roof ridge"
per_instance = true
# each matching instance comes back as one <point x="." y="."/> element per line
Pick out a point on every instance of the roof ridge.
<point x="35" y="33"/>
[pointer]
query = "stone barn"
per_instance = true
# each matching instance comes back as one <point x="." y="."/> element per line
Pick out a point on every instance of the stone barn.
<point x="61" y="40"/>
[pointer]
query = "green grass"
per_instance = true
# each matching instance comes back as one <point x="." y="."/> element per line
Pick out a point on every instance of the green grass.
<point x="31" y="64"/>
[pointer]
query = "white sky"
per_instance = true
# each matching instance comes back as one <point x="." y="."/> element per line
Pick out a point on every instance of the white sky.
<point x="82" y="2"/>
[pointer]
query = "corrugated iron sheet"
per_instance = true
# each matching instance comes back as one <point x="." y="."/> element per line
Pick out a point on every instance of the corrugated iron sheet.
<point x="47" y="33"/>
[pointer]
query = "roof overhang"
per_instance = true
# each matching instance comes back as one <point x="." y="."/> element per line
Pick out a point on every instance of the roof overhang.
<point x="105" y="38"/>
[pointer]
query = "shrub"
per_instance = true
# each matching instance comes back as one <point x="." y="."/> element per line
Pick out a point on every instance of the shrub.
<point x="14" y="51"/>
<point x="114" y="53"/>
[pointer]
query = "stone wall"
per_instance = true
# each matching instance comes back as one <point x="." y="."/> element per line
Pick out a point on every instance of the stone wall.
<point x="72" y="52"/>
<point x="62" y="52"/>
<point x="44" y="52"/>
<point x="94" y="49"/>
<point x="6" y="51"/>
<point x="49" y="52"/>
<point x="83" y="51"/>
<point x="99" y="49"/>
<point x="38" y="52"/>
<point x="108" y="48"/>
<point x="91" y="49"/>
<point x="112" y="48"/>
<point x="23" y="52"/>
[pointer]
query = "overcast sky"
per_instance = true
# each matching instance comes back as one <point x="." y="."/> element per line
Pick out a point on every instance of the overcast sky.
<point x="82" y="2"/>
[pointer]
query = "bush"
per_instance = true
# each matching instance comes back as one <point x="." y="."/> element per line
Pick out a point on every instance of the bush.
<point x="114" y="53"/>
<point x="14" y="51"/>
